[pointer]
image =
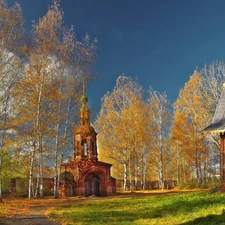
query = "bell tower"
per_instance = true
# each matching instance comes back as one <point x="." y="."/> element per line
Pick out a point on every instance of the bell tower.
<point x="88" y="175"/>
<point x="85" y="147"/>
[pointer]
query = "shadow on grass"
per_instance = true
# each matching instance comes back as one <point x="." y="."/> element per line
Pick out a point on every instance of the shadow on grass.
<point x="209" y="220"/>
<point x="131" y="209"/>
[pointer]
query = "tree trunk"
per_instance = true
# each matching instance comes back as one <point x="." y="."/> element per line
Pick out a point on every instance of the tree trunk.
<point x="144" y="174"/>
<point x="64" y="139"/>
<point x="41" y="176"/>
<point x="56" y="172"/>
<point x="39" y="138"/>
<point x="130" y="176"/>
<point x="38" y="178"/>
<point x="125" y="176"/>
<point x="30" y="192"/>
<point x="56" y="194"/>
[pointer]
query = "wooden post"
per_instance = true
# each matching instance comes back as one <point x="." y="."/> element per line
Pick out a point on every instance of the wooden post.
<point x="222" y="161"/>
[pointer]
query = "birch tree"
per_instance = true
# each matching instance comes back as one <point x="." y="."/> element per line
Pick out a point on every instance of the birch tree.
<point x="189" y="120"/>
<point x="161" y="117"/>
<point x="11" y="36"/>
<point x="121" y="125"/>
<point x="37" y="87"/>
<point x="48" y="91"/>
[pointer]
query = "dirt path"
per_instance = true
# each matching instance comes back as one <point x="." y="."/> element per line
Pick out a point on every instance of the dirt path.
<point x="36" y="214"/>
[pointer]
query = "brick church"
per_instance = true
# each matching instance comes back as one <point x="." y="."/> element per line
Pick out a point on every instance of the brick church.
<point x="84" y="175"/>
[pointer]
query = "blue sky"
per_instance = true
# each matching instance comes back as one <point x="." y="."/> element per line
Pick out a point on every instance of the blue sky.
<point x="159" y="41"/>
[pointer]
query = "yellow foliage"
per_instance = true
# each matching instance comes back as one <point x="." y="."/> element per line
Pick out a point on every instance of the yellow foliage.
<point x="190" y="118"/>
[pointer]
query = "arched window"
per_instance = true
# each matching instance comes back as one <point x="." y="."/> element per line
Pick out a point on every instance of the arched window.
<point x="85" y="148"/>
<point x="84" y="144"/>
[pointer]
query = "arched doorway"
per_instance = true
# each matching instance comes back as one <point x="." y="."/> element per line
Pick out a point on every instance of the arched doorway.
<point x="92" y="185"/>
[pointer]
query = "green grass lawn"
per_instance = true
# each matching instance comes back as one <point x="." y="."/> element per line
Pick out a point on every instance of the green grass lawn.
<point x="182" y="208"/>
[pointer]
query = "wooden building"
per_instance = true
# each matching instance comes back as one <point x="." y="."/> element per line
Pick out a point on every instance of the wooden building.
<point x="218" y="126"/>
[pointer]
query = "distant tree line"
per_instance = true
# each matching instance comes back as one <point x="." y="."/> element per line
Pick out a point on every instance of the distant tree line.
<point x="146" y="137"/>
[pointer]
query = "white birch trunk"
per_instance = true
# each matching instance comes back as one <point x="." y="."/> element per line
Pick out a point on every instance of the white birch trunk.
<point x="56" y="173"/>
<point x="125" y="176"/>
<point x="40" y="142"/>
<point x="37" y="183"/>
<point x="64" y="139"/>
<point x="30" y="191"/>
<point x="56" y="161"/>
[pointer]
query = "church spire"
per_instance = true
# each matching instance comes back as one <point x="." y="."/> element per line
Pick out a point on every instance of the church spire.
<point x="84" y="110"/>
<point x="83" y="86"/>
<point x="85" y="147"/>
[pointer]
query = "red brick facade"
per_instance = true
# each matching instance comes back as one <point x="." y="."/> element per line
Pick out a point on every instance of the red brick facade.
<point x="84" y="175"/>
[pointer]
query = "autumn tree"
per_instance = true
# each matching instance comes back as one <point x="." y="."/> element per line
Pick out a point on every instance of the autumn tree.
<point x="161" y="120"/>
<point x="123" y="135"/>
<point x="11" y="46"/>
<point x="44" y="67"/>
<point x="189" y="120"/>
<point x="48" y="91"/>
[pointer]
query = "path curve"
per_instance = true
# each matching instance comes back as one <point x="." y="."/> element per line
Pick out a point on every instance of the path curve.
<point x="36" y="215"/>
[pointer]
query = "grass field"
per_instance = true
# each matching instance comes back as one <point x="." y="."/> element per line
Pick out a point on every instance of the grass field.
<point x="177" y="208"/>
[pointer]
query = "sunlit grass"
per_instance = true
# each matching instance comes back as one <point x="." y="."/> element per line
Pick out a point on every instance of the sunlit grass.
<point x="188" y="208"/>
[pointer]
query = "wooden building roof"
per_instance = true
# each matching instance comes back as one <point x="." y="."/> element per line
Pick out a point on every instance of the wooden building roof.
<point x="218" y="121"/>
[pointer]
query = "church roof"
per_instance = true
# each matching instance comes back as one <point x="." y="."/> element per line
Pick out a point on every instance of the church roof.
<point x="218" y="121"/>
